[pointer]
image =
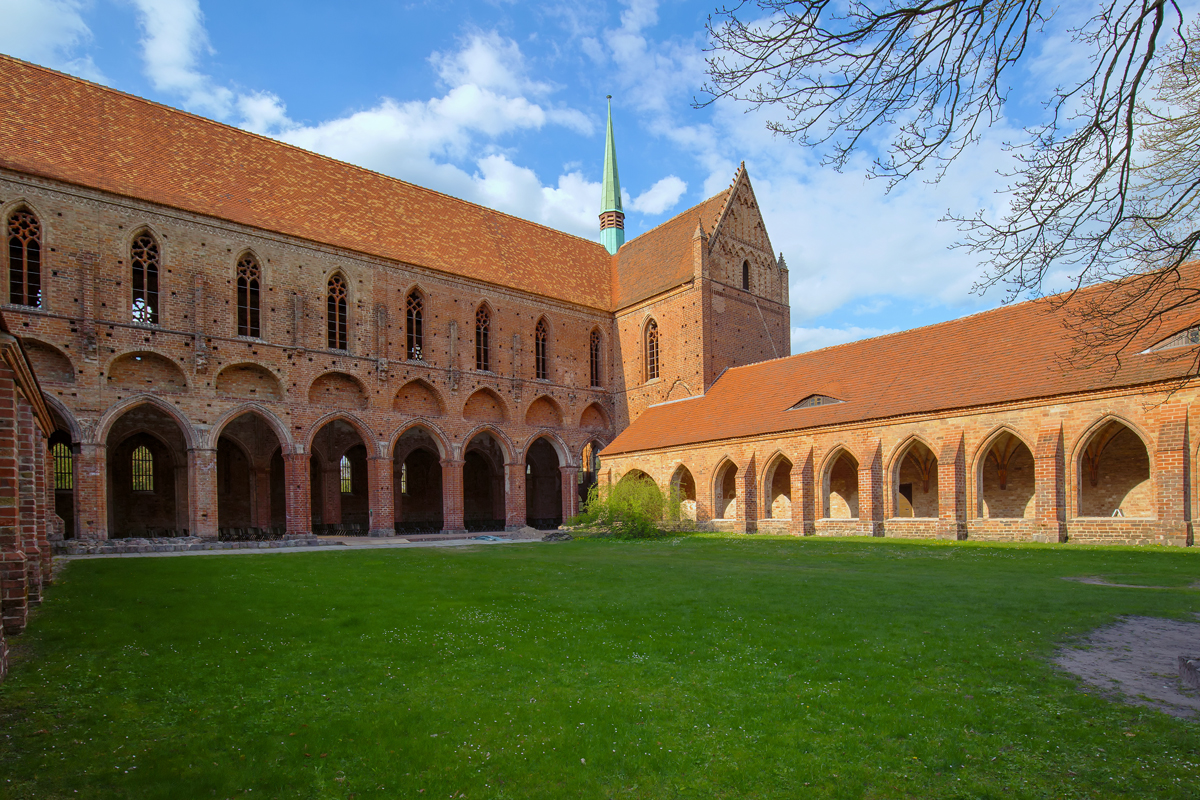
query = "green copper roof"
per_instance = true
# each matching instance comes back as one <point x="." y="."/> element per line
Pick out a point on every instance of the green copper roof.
<point x="610" y="196"/>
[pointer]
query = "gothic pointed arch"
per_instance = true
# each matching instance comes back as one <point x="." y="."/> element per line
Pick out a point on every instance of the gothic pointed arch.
<point x="594" y="418"/>
<point x="777" y="487"/>
<point x="145" y="371"/>
<point x="683" y="490"/>
<point x="839" y="484"/>
<point x="23" y="255"/>
<point x="419" y="398"/>
<point x="1006" y="476"/>
<point x="48" y="362"/>
<point x="914" y="479"/>
<point x="725" y="492"/>
<point x="484" y="405"/>
<point x="544" y="412"/>
<point x="338" y="390"/>
<point x="1113" y="471"/>
<point x="249" y="381"/>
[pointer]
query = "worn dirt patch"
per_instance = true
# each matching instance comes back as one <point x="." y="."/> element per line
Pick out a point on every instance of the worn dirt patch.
<point x="1136" y="661"/>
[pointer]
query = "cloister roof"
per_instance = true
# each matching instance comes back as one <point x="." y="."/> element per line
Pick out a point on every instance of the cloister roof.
<point x="1020" y="352"/>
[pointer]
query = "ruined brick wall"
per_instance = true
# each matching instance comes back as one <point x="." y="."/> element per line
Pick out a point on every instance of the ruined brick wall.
<point x="1146" y="469"/>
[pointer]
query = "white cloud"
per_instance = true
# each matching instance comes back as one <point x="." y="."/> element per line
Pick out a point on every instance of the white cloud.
<point x="173" y="41"/>
<point x="805" y="339"/>
<point x="660" y="197"/>
<point x="51" y="33"/>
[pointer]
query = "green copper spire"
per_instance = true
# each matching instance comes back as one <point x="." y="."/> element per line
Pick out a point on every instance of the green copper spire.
<point x="612" y="218"/>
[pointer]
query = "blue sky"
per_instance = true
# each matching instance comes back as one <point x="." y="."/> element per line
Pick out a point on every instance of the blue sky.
<point x="502" y="103"/>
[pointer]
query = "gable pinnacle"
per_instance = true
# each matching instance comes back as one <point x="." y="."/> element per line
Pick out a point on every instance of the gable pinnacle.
<point x="612" y="218"/>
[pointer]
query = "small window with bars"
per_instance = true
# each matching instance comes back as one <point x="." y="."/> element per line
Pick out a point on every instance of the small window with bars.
<point x="483" y="354"/>
<point x="347" y="476"/>
<point x="144" y="265"/>
<point x="404" y="478"/>
<point x="594" y="358"/>
<point x="540" y="334"/>
<point x="64" y="476"/>
<point x="249" y="282"/>
<point x="143" y="469"/>
<point x="336" y="312"/>
<point x="415" y="328"/>
<point x="652" y="350"/>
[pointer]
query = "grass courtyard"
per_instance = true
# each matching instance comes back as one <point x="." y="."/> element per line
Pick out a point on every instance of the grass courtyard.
<point x="697" y="667"/>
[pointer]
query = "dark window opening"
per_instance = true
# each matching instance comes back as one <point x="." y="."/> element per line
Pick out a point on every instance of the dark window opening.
<point x="540" y="335"/>
<point x="415" y="328"/>
<point x="483" y="323"/>
<point x="595" y="358"/>
<point x="746" y="275"/>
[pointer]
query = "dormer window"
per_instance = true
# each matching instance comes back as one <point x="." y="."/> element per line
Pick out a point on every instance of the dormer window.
<point x="1185" y="338"/>
<point x="816" y="400"/>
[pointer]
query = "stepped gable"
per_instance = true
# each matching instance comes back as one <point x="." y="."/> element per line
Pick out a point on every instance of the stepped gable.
<point x="1006" y="355"/>
<point x="67" y="129"/>
<point x="661" y="258"/>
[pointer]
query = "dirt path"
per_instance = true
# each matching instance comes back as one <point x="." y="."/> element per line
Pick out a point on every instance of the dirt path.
<point x="1136" y="660"/>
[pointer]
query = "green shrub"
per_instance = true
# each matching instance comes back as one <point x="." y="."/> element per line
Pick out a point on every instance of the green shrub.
<point x="633" y="508"/>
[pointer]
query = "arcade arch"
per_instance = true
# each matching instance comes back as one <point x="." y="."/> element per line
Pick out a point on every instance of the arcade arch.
<point x="417" y="481"/>
<point x="543" y="486"/>
<point x="840" y="485"/>
<point x="1114" y="474"/>
<point x="725" y="495"/>
<point x="915" y="482"/>
<point x="483" y="483"/>
<point x="250" y="484"/>
<point x="777" y="485"/>
<point x="683" y="487"/>
<point x="339" y="506"/>
<point x="1007" y="479"/>
<point x="147" y="474"/>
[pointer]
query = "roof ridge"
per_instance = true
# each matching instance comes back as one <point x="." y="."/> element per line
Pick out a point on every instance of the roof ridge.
<point x="666" y="222"/>
<point x="288" y="145"/>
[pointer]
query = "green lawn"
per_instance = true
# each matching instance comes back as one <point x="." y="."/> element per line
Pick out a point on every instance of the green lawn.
<point x="696" y="667"/>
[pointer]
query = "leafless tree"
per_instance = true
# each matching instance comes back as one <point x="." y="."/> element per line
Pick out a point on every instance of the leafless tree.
<point x="1106" y="187"/>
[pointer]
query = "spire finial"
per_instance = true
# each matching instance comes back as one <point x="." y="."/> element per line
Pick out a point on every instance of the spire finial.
<point x="612" y="218"/>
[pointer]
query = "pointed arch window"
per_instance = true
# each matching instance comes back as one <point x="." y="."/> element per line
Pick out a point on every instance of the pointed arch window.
<point x="144" y="262"/>
<point x="143" y="469"/>
<point x="346" y="475"/>
<point x="652" y="350"/>
<point x="24" y="259"/>
<point x="483" y="324"/>
<point x="64" y="476"/>
<point x="415" y="327"/>
<point x="249" y="283"/>
<point x="746" y="275"/>
<point x="594" y="358"/>
<point x="336" y="312"/>
<point x="540" y="336"/>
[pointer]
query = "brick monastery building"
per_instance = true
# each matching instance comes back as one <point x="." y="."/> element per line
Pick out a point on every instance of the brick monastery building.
<point x="222" y="333"/>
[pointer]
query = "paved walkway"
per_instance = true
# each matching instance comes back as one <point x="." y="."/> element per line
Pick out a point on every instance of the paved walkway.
<point x="337" y="544"/>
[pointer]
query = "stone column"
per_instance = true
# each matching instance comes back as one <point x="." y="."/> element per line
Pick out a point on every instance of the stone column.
<point x="952" y="488"/>
<point x="91" y="491"/>
<point x="202" y="492"/>
<point x="870" y="489"/>
<point x="1049" y="467"/>
<point x="1172" y="481"/>
<point x="570" y="492"/>
<point x="452" y="496"/>
<point x="515" y="513"/>
<point x="297" y="490"/>
<point x="380" y="492"/>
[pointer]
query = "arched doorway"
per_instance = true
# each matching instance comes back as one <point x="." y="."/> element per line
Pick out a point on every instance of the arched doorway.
<point x="916" y="483"/>
<point x="249" y="480"/>
<point x="483" y="484"/>
<point x="147" y="475"/>
<point x="683" y="490"/>
<point x="339" y="481"/>
<point x="1114" y="474"/>
<point x="543" y="486"/>
<point x="778" y="485"/>
<point x="725" y="495"/>
<point x="62" y="456"/>
<point x="841" y="488"/>
<point x="417" y="482"/>
<point x="1006" y="479"/>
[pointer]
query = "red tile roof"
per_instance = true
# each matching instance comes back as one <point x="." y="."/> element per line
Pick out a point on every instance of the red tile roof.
<point x="661" y="258"/>
<point x="60" y="127"/>
<point x="1014" y="353"/>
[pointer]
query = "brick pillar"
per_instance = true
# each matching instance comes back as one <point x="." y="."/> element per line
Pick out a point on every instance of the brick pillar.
<point x="183" y="489"/>
<point x="202" y="492"/>
<point x="870" y="490"/>
<point x="381" y="493"/>
<point x="747" y="507"/>
<point x="47" y="517"/>
<point x="91" y="491"/>
<point x="704" y="496"/>
<point x="262" y="497"/>
<point x="331" y="494"/>
<point x="14" y="596"/>
<point x="514" y="496"/>
<point x="297" y="491"/>
<point x="1050" y="476"/>
<point x="952" y="487"/>
<point x="27" y="500"/>
<point x="1171" y="476"/>
<point x="804" y="496"/>
<point x="452" y="496"/>
<point x="570" y="492"/>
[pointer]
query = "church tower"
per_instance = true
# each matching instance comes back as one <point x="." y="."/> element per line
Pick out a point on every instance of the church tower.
<point x="612" y="218"/>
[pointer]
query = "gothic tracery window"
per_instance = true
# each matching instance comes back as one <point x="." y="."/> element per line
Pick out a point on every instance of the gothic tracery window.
<point x="142" y="463"/>
<point x="143" y="264"/>
<point x="594" y="358"/>
<point x="415" y="328"/>
<point x="483" y="324"/>
<point x="540" y="334"/>
<point x="652" y="350"/>
<point x="336" y="312"/>
<point x="249" y="281"/>
<point x="24" y="259"/>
